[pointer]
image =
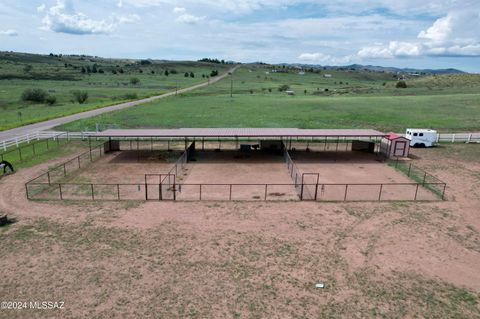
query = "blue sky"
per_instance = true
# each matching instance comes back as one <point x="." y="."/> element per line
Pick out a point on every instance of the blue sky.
<point x="407" y="33"/>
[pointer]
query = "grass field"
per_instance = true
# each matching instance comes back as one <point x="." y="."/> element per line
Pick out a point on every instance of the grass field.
<point x="362" y="100"/>
<point x="59" y="76"/>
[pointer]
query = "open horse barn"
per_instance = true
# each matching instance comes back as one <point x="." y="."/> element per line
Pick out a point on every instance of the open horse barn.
<point x="243" y="164"/>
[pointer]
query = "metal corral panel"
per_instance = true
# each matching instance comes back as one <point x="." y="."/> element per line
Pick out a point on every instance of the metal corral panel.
<point x="240" y="132"/>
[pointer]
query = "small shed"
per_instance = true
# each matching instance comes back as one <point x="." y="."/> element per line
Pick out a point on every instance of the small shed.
<point x="395" y="145"/>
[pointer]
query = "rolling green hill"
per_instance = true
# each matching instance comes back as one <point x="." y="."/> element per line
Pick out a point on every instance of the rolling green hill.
<point x="107" y="81"/>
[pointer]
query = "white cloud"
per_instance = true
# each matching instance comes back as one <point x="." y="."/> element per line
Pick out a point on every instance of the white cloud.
<point x="456" y="34"/>
<point x="9" y="32"/>
<point x="62" y="18"/>
<point x="439" y="31"/>
<point x="41" y="7"/>
<point x="319" y="57"/>
<point x="185" y="17"/>
<point x="189" y="19"/>
<point x="120" y="3"/>
<point x="179" y="10"/>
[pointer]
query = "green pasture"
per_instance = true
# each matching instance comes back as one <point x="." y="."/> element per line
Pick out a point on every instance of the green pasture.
<point x="346" y="100"/>
<point x="59" y="76"/>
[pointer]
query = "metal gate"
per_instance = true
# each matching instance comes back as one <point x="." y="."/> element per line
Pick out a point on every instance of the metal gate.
<point x="309" y="186"/>
<point x="160" y="187"/>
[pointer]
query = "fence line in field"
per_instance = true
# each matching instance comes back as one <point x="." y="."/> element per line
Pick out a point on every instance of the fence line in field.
<point x="230" y="192"/>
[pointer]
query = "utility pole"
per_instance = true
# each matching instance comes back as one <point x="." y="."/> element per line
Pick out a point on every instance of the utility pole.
<point x="231" y="84"/>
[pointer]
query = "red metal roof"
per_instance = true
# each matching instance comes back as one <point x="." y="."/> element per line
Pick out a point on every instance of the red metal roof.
<point x="392" y="136"/>
<point x="240" y="132"/>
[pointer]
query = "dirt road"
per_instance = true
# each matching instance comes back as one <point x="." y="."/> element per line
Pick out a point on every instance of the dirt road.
<point x="40" y="126"/>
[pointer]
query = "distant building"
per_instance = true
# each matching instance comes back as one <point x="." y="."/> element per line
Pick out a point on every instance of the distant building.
<point x="327" y="75"/>
<point x="290" y="92"/>
<point x="301" y="73"/>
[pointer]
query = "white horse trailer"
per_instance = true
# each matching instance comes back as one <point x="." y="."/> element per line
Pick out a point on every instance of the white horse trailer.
<point x="421" y="137"/>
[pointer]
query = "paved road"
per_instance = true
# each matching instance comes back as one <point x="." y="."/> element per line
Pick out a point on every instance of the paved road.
<point x="40" y="126"/>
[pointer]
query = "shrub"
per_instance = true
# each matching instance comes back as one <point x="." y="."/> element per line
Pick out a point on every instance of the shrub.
<point x="283" y="87"/>
<point x="134" y="81"/>
<point x="51" y="99"/>
<point x="80" y="96"/>
<point x="192" y="75"/>
<point x="27" y="68"/>
<point x="130" y="96"/>
<point x="214" y="73"/>
<point x="34" y="95"/>
<point x="401" y="85"/>
<point x="186" y="74"/>
<point x="166" y="73"/>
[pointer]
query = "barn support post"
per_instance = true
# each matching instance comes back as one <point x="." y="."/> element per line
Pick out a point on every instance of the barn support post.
<point x="416" y="192"/>
<point x="443" y="192"/>
<point x="200" y="191"/>
<point x="93" y="193"/>
<point x="380" y="193"/>
<point x="409" y="168"/>
<point x="424" y="177"/>
<point x="230" y="197"/>
<point x="266" y="187"/>
<point x="118" y="191"/>
<point x="60" y="191"/>
<point x="346" y="190"/>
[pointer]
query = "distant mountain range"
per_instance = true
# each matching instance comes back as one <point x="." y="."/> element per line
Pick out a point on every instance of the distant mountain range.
<point x="376" y="68"/>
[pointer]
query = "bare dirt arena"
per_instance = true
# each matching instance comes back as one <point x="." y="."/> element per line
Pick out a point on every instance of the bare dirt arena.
<point x="251" y="259"/>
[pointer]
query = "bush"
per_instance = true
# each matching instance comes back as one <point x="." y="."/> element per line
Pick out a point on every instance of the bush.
<point x="401" y="85"/>
<point x="34" y="95"/>
<point x="192" y="75"/>
<point x="214" y="73"/>
<point x="130" y="96"/>
<point x="134" y="81"/>
<point x="51" y="99"/>
<point x="80" y="96"/>
<point x="186" y="74"/>
<point x="283" y="87"/>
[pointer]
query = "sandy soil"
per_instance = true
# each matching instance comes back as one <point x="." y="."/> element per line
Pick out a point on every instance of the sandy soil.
<point x="354" y="168"/>
<point x="250" y="172"/>
<point x="249" y="259"/>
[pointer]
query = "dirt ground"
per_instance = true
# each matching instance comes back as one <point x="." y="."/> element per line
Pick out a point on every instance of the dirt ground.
<point x="354" y="168"/>
<point x="249" y="259"/>
<point x="250" y="171"/>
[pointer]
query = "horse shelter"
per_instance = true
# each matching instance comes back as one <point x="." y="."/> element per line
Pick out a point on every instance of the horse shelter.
<point x="236" y="164"/>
